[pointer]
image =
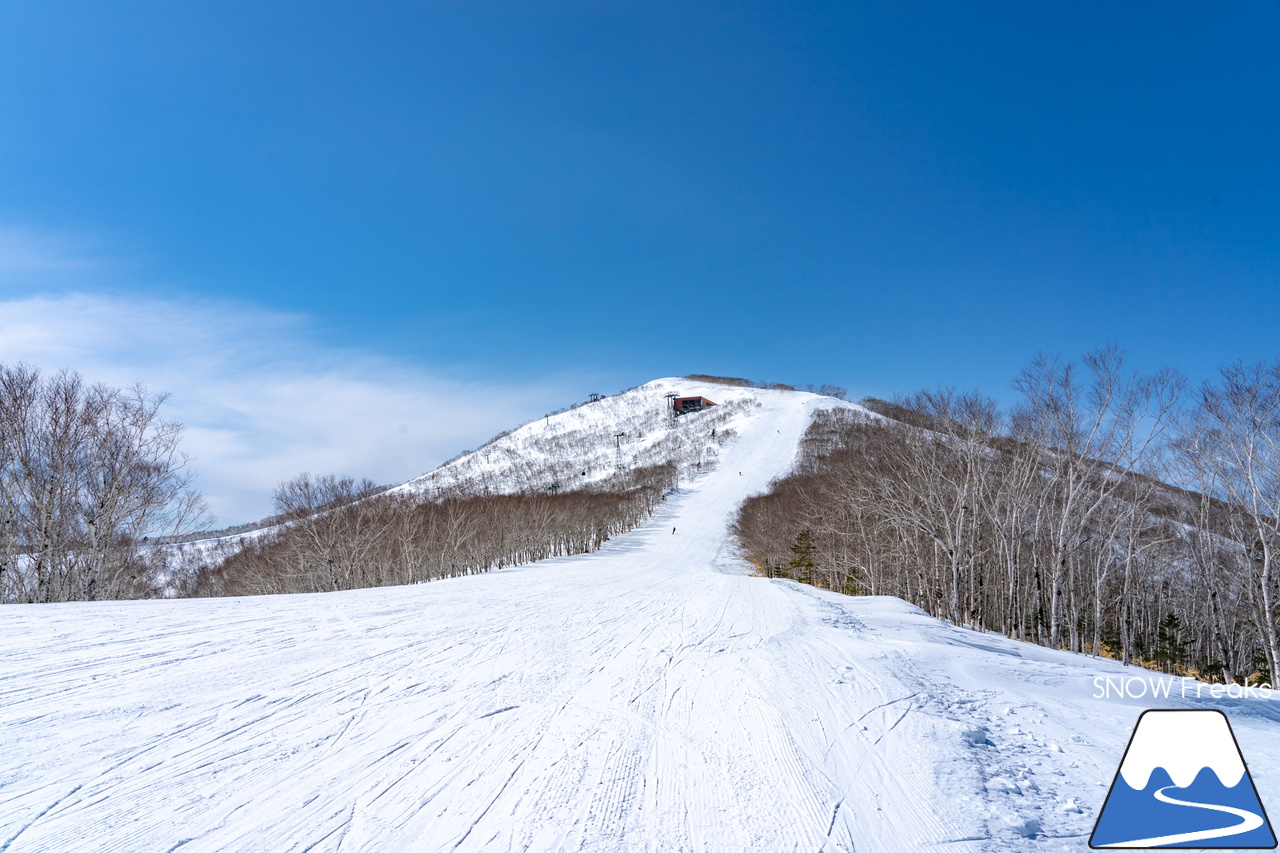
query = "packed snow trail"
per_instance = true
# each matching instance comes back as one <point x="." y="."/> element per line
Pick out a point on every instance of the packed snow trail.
<point x="648" y="697"/>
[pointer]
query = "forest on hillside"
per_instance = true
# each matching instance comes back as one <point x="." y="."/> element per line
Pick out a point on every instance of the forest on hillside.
<point x="1053" y="521"/>
<point x="334" y="536"/>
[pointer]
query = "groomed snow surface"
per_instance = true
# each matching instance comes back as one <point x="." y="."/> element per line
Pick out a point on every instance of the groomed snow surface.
<point x="648" y="697"/>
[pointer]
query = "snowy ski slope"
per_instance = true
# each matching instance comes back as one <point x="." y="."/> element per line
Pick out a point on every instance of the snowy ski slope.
<point x="648" y="697"/>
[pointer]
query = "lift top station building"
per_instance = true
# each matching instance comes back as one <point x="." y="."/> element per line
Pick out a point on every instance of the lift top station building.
<point x="686" y="405"/>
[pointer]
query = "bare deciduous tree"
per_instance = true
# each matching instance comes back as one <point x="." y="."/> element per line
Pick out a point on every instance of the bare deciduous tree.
<point x="1237" y="441"/>
<point x="88" y="474"/>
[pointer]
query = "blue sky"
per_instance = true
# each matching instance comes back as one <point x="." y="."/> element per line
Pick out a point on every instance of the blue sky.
<point x="533" y="201"/>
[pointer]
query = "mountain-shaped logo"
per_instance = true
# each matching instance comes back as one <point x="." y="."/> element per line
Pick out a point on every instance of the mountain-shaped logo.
<point x="1183" y="783"/>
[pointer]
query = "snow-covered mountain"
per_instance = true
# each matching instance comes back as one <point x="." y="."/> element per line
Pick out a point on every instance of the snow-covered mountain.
<point x="593" y="444"/>
<point x="649" y="696"/>
<point x="588" y="444"/>
<point x="593" y="441"/>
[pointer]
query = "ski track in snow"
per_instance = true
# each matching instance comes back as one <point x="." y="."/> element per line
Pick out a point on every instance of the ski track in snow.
<point x="648" y="697"/>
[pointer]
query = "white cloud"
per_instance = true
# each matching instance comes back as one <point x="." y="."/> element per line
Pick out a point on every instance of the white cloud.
<point x="262" y="401"/>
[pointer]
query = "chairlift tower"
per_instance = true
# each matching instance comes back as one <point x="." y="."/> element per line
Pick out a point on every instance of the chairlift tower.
<point x="617" y="449"/>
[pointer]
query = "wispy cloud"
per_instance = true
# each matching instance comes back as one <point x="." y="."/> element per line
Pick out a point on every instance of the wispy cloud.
<point x="262" y="400"/>
<point x="27" y="254"/>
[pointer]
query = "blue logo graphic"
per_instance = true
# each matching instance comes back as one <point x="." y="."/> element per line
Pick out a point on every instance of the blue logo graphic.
<point x="1183" y="783"/>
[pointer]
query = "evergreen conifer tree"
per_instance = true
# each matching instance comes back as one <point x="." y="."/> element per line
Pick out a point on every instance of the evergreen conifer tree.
<point x="1169" y="649"/>
<point x="802" y="566"/>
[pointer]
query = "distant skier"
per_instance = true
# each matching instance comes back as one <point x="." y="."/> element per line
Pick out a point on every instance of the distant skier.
<point x="673" y="531"/>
